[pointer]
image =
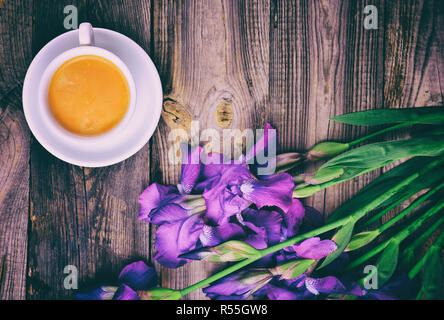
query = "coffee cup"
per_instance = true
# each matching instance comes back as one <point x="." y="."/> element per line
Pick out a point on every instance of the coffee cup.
<point x="86" y="47"/>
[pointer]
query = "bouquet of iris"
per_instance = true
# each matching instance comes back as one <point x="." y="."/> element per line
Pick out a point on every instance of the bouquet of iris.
<point x="276" y="248"/>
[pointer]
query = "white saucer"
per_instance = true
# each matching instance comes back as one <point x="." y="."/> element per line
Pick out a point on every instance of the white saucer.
<point x="140" y="126"/>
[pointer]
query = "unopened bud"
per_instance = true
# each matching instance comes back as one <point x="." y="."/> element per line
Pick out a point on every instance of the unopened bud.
<point x="287" y="161"/>
<point x="306" y="191"/>
<point x="361" y="239"/>
<point x="292" y="269"/>
<point x="324" y="174"/>
<point x="229" y="251"/>
<point x="326" y="149"/>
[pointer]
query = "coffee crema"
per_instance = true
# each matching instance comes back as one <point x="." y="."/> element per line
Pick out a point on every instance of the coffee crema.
<point x="88" y="95"/>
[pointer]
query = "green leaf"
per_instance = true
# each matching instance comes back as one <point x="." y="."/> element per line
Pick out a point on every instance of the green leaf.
<point x="381" y="185"/>
<point x="356" y="203"/>
<point x="433" y="274"/>
<point x="426" y="115"/>
<point x="306" y="191"/>
<point x="341" y="238"/>
<point x="361" y="239"/>
<point x="382" y="153"/>
<point x="292" y="269"/>
<point x="425" y="181"/>
<point x="387" y="262"/>
<point x="323" y="175"/>
<point x="373" y="156"/>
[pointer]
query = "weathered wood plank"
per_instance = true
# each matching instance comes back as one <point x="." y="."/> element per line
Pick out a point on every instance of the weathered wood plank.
<point x="413" y="59"/>
<point x="213" y="59"/>
<point x="362" y="78"/>
<point x="323" y="63"/>
<point x="15" y="55"/>
<point x="228" y="64"/>
<point x="81" y="216"/>
<point x="413" y="54"/>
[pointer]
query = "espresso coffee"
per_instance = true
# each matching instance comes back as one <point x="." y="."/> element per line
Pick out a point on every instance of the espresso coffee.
<point x="88" y="95"/>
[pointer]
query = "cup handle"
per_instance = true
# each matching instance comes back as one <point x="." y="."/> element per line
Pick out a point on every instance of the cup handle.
<point x="86" y="34"/>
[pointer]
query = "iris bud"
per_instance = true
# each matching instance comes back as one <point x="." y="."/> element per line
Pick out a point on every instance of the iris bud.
<point x="361" y="239"/>
<point x="326" y="149"/>
<point x="324" y="174"/>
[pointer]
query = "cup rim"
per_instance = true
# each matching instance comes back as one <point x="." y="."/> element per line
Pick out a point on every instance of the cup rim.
<point x="46" y="77"/>
<point x="134" y="142"/>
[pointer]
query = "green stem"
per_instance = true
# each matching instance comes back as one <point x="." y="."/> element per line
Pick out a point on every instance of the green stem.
<point x="383" y="212"/>
<point x="264" y="252"/>
<point x="410" y="208"/>
<point x="312" y="189"/>
<point x="400" y="125"/>
<point x="424" y="236"/>
<point x="400" y="236"/>
<point x="216" y="276"/>
<point x="419" y="295"/>
<point x="418" y="266"/>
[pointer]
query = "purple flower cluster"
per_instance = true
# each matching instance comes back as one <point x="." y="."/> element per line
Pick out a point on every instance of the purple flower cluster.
<point x="220" y="200"/>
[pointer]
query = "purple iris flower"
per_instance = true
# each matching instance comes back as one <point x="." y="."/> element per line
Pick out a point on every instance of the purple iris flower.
<point x="160" y="204"/>
<point x="272" y="227"/>
<point x="134" y="277"/>
<point x="272" y="287"/>
<point x="259" y="228"/>
<point x="179" y="219"/>
<point x="239" y="285"/>
<point x="191" y="167"/>
<point x="211" y="205"/>
<point x="305" y="287"/>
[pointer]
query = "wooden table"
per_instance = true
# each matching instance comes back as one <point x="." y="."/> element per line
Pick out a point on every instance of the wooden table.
<point x="228" y="64"/>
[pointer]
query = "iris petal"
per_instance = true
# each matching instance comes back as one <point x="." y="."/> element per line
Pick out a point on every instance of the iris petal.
<point x="270" y="221"/>
<point x="330" y="285"/>
<point x="125" y="293"/>
<point x="275" y="190"/>
<point x="169" y="213"/>
<point x="176" y="238"/>
<point x="100" y="293"/>
<point x="190" y="168"/>
<point x="314" y="248"/>
<point x="212" y="236"/>
<point x="293" y="218"/>
<point x="153" y="197"/>
<point x="138" y="276"/>
<point x="284" y="293"/>
<point x="238" y="285"/>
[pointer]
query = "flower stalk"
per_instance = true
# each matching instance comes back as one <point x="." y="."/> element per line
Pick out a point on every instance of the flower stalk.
<point x="331" y="226"/>
<point x="372" y="135"/>
<point x="418" y="266"/>
<point x="400" y="236"/>
<point x="408" y="253"/>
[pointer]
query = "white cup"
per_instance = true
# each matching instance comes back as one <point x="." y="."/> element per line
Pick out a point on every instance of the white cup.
<point x="86" y="47"/>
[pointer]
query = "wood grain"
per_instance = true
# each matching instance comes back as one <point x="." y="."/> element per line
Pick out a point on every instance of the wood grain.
<point x="80" y="216"/>
<point x="226" y="43"/>
<point x="225" y="63"/>
<point x="413" y="60"/>
<point x="323" y="63"/>
<point x="15" y="55"/>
